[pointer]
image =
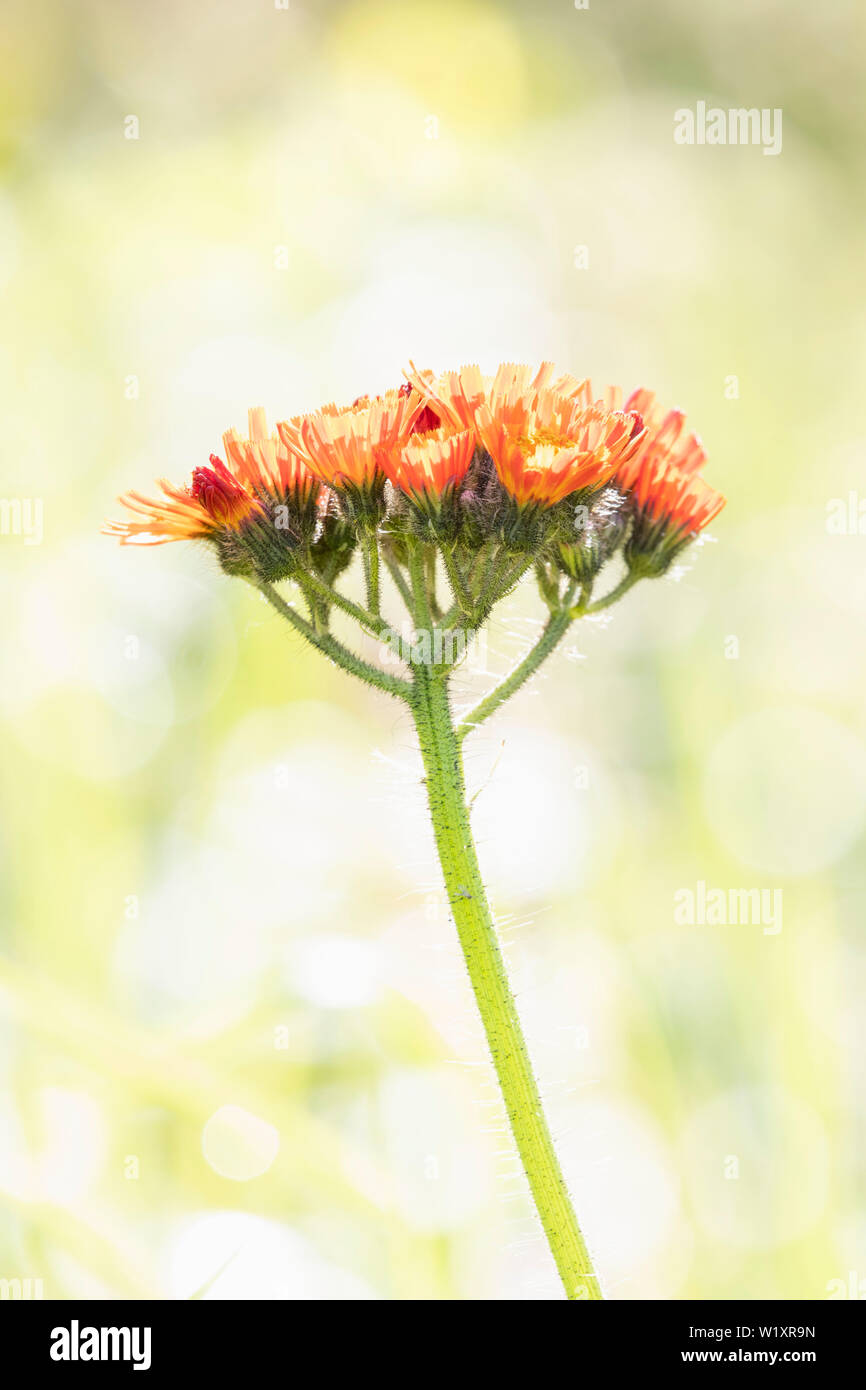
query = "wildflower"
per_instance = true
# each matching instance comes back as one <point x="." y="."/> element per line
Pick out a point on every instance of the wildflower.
<point x="265" y="466"/>
<point x="214" y="502"/>
<point x="670" y="500"/>
<point x="556" y="447"/>
<point x="428" y="469"/>
<point x="486" y="477"/>
<point x="463" y="459"/>
<point x="665" y="441"/>
<point x="456" y="397"/>
<point x="257" y="509"/>
<point x="342" y="447"/>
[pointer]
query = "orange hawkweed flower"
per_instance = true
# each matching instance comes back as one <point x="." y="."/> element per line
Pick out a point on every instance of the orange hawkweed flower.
<point x="429" y="465"/>
<point x="457" y="396"/>
<point x="557" y="446"/>
<point x="264" y="464"/>
<point x="665" y="442"/>
<point x="682" y="503"/>
<point x="342" y="447"/>
<point x="223" y="497"/>
<point x="547" y="436"/>
<point x="215" y="500"/>
<point x="257" y="508"/>
<point x="672" y="503"/>
<point x="664" y="475"/>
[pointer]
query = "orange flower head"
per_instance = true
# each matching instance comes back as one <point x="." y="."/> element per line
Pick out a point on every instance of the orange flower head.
<point x="682" y="503"/>
<point x="225" y="500"/>
<point x="214" y="502"/>
<point x="557" y="446"/>
<point x="264" y="464"/>
<point x="547" y="436"/>
<point x="176" y="516"/>
<point x="427" y="466"/>
<point x="665" y="442"/>
<point x="672" y="502"/>
<point x="456" y="397"/>
<point x="257" y="508"/>
<point x="342" y="446"/>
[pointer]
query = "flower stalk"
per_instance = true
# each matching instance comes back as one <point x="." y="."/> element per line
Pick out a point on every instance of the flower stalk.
<point x="497" y="476"/>
<point x="446" y="796"/>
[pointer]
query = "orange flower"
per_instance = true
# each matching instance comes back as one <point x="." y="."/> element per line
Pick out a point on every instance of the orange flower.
<point x="664" y="443"/>
<point x="664" y="476"/>
<point x="427" y="465"/>
<point x="214" y="501"/>
<point x="556" y="446"/>
<point x="683" y="503"/>
<point x="342" y="447"/>
<point x="264" y="464"/>
<point x="222" y="496"/>
<point x="546" y="435"/>
<point x="458" y="396"/>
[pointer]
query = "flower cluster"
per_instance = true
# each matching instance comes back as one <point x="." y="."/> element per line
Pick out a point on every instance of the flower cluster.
<point x="523" y="464"/>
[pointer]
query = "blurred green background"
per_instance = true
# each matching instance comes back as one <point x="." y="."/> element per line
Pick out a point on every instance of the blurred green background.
<point x="237" y="1047"/>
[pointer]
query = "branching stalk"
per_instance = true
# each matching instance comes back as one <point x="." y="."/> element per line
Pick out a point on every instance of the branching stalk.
<point x="440" y="742"/>
<point x="614" y="596"/>
<point x="334" y="649"/>
<point x="374" y="624"/>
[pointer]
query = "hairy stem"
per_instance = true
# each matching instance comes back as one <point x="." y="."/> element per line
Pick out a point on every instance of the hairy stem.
<point x="615" y="594"/>
<point x="421" y="610"/>
<point x="370" y="545"/>
<point x="326" y="592"/>
<point x="502" y="583"/>
<point x="447" y="799"/>
<point x="397" y="575"/>
<point x="332" y="648"/>
<point x="459" y="587"/>
<point x="430" y="573"/>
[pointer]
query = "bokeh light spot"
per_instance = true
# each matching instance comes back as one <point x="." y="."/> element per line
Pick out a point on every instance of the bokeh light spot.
<point x="239" y="1145"/>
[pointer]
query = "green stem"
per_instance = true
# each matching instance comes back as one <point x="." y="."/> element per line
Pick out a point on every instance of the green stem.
<point x="554" y="630"/>
<point x="484" y="601"/>
<point x="459" y="588"/>
<point x="447" y="798"/>
<point x="370" y="545"/>
<point x="503" y="583"/>
<point x="331" y="647"/>
<point x="430" y="574"/>
<point x="622" y="588"/>
<point x="421" y="611"/>
<point x="548" y="585"/>
<point x="398" y="577"/>
<point x="370" y="621"/>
